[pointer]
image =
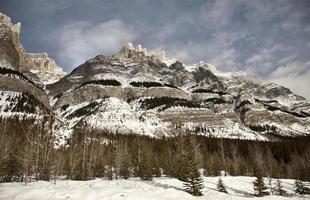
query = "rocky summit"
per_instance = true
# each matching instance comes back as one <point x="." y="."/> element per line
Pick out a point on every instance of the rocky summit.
<point x="138" y="92"/>
<point x="14" y="56"/>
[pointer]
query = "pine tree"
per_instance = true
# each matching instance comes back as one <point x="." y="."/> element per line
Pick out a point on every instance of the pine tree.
<point x="271" y="188"/>
<point x="259" y="186"/>
<point x="220" y="186"/>
<point x="300" y="188"/>
<point x="279" y="189"/>
<point x="193" y="183"/>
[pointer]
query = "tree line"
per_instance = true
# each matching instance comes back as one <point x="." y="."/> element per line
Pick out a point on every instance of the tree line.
<point x="27" y="153"/>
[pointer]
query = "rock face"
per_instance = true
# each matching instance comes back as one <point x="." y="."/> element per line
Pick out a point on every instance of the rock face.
<point x="165" y="98"/>
<point x="22" y="76"/>
<point x="22" y="86"/>
<point x="138" y="52"/>
<point x="89" y="93"/>
<point x="10" y="49"/>
<point x="14" y="56"/>
<point x="44" y="67"/>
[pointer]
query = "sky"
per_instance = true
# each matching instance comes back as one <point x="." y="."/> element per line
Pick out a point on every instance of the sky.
<point x="267" y="38"/>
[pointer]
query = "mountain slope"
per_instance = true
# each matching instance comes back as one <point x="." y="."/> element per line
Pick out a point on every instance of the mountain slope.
<point x="21" y="85"/>
<point x="137" y="92"/>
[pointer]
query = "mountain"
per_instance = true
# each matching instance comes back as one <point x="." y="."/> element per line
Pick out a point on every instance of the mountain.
<point x="138" y="92"/>
<point x="14" y="56"/>
<point x="23" y="77"/>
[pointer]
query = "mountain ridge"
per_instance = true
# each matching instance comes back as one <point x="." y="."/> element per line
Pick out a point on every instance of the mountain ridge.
<point x="13" y="55"/>
<point x="137" y="92"/>
<point x="203" y="99"/>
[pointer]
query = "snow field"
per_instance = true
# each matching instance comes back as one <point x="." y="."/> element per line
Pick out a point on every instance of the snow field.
<point x="163" y="188"/>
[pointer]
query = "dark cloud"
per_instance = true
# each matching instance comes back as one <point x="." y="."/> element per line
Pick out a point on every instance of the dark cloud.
<point x="268" y="38"/>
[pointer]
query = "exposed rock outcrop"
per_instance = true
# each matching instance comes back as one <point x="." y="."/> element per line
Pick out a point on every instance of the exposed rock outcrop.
<point x="22" y="86"/>
<point x="138" y="52"/>
<point x="14" y="56"/>
<point x="198" y="98"/>
<point x="89" y="93"/>
<point x="10" y="48"/>
<point x="43" y="66"/>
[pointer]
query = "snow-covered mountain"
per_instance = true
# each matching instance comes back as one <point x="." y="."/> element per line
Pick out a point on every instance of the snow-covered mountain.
<point x="134" y="92"/>
<point x="137" y="92"/>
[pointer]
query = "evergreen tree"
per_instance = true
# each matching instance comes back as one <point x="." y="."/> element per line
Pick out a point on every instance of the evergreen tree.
<point x="205" y="172"/>
<point x="220" y="186"/>
<point x="279" y="189"/>
<point x="259" y="186"/>
<point x="193" y="183"/>
<point x="271" y="188"/>
<point x="300" y="188"/>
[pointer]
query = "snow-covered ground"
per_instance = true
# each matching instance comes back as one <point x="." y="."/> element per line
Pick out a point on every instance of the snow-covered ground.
<point x="163" y="188"/>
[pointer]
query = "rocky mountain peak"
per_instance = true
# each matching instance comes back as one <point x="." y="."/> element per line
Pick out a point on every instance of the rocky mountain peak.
<point x="14" y="56"/>
<point x="43" y="66"/>
<point x="10" y="48"/>
<point x="6" y="22"/>
<point x="139" y="52"/>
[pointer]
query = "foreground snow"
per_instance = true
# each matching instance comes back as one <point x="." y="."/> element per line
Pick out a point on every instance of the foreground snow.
<point x="160" y="188"/>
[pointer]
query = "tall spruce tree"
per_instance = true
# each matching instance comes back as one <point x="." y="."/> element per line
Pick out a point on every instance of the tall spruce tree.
<point x="220" y="186"/>
<point x="259" y="186"/>
<point x="193" y="182"/>
<point x="279" y="189"/>
<point x="271" y="188"/>
<point x="300" y="188"/>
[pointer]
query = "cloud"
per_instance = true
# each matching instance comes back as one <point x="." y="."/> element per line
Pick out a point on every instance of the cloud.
<point x="264" y="60"/>
<point x="51" y="7"/>
<point x="227" y="58"/>
<point x="265" y="38"/>
<point x="216" y="13"/>
<point x="295" y="76"/>
<point x="164" y="33"/>
<point x="269" y="63"/>
<point x="82" y="40"/>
